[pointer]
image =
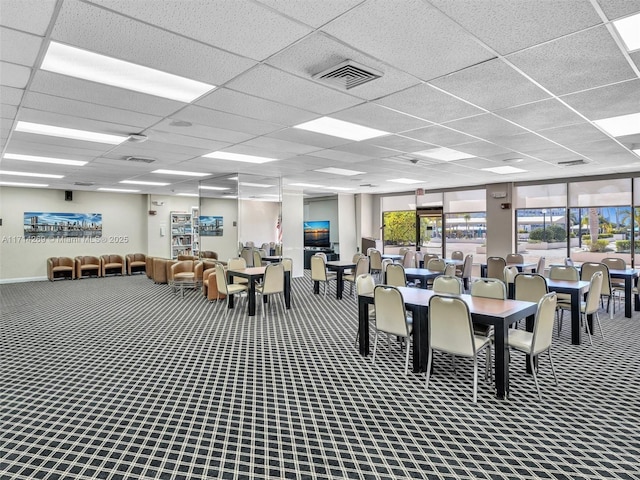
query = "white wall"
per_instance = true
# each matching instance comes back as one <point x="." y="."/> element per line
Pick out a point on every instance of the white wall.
<point x="293" y="229"/>
<point x="227" y="245"/>
<point x="347" y="223"/>
<point x="124" y="228"/>
<point x="258" y="221"/>
<point x="157" y="244"/>
<point x="325" y="208"/>
<point x="500" y="222"/>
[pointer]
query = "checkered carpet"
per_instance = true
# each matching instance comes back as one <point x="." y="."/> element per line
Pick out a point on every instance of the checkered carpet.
<point x="118" y="378"/>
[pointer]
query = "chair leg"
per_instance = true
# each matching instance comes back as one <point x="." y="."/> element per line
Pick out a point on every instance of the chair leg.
<point x="535" y="376"/>
<point x="428" y="373"/>
<point x="553" y="370"/>
<point x="599" y="325"/>
<point x="375" y="347"/>
<point x="406" y="362"/>
<point x="586" y="323"/>
<point x="475" y="379"/>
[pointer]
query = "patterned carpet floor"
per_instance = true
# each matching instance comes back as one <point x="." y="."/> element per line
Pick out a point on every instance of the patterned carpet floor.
<point x="119" y="378"/>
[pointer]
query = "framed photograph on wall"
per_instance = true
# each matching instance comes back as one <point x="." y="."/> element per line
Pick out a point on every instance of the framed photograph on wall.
<point x="210" y="226"/>
<point x="55" y="225"/>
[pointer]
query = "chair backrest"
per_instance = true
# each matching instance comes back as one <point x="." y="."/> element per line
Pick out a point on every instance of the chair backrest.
<point x="489" y="288"/>
<point x="615" y="263"/>
<point x="457" y="255"/>
<point x="593" y="295"/>
<point x="540" y="266"/>
<point x="530" y="287"/>
<point x="436" y="264"/>
<point x="375" y="259"/>
<point x="395" y="275"/>
<point x="257" y="258"/>
<point x="221" y="279"/>
<point x="273" y="279"/>
<point x="362" y="266"/>
<point x="450" y="269"/>
<point x="564" y="272"/>
<point x="356" y="257"/>
<point x="467" y="266"/>
<point x="447" y="284"/>
<point x="318" y="268"/>
<point x="495" y="267"/>
<point x="385" y="263"/>
<point x="568" y="262"/>
<point x="209" y="254"/>
<point x="321" y="254"/>
<point x="409" y="259"/>
<point x="365" y="284"/>
<point x="450" y="327"/>
<point x="428" y="256"/>
<point x="236" y="263"/>
<point x="287" y="263"/>
<point x="509" y="274"/>
<point x="514" y="258"/>
<point x="543" y="323"/>
<point x="247" y="254"/>
<point x="265" y="246"/>
<point x="589" y="268"/>
<point x="403" y="250"/>
<point x="390" y="311"/>
<point x="417" y="258"/>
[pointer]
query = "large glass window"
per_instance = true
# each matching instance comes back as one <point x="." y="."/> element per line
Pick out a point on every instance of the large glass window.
<point x="399" y="230"/>
<point x="466" y="223"/>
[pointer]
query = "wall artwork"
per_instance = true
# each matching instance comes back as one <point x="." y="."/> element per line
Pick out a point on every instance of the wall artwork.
<point x="210" y="226"/>
<point x="57" y="225"/>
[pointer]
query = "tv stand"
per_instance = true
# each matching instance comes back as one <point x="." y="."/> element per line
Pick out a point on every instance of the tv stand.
<point x="310" y="252"/>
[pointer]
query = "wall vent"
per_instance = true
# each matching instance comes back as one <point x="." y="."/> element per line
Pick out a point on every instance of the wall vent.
<point x="85" y="184"/>
<point x="140" y="159"/>
<point x="572" y="163"/>
<point x="347" y="75"/>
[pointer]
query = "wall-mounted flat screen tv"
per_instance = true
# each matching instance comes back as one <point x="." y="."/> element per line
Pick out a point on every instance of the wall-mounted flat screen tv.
<point x="316" y="234"/>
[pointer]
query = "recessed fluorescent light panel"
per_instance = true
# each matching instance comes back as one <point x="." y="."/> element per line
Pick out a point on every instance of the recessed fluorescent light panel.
<point x="444" y="154"/>
<point x="340" y="189"/>
<point x="136" y="182"/>
<point x="308" y="185"/>
<point x="258" y="185"/>
<point x="339" y="171"/>
<point x="629" y="30"/>
<point x="181" y="172"/>
<point x="338" y="128"/>
<point x="75" y="62"/>
<point x="120" y="190"/>
<point x="33" y="158"/>
<point x="203" y="187"/>
<point x="20" y="184"/>
<point x="620" y="126"/>
<point x="28" y="174"/>
<point x="187" y="194"/>
<point x="407" y="181"/>
<point x="238" y="157"/>
<point x="504" y="170"/>
<point x="72" y="133"/>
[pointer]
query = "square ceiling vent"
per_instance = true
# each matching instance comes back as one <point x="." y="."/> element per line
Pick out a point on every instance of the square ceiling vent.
<point x="347" y="75"/>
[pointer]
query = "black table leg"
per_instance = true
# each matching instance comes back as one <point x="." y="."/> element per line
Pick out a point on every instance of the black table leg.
<point x="287" y="289"/>
<point x="576" y="331"/>
<point x="339" y="285"/>
<point x="420" y="338"/>
<point x="316" y="287"/>
<point x="363" y="326"/>
<point x="252" y="299"/>
<point x="530" y="321"/>
<point x="501" y="360"/>
<point x="627" y="297"/>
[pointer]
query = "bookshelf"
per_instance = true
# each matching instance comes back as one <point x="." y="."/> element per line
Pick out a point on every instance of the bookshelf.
<point x="181" y="234"/>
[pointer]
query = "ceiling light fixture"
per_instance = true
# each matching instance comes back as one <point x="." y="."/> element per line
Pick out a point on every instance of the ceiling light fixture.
<point x="257" y="185"/>
<point x="620" y="126"/>
<point x="629" y="30"/>
<point x="504" y="170"/>
<point x="136" y="182"/>
<point x="181" y="172"/>
<point x="444" y="154"/>
<point x="28" y="174"/>
<point x="238" y="157"/>
<point x="187" y="194"/>
<point x="33" y="158"/>
<point x="21" y="184"/>
<point x="307" y="185"/>
<point x="571" y="163"/>
<point x="119" y="190"/>
<point x="341" y="129"/>
<point x="339" y="171"/>
<point x="204" y="187"/>
<point x="75" y="62"/>
<point x="406" y="181"/>
<point x="72" y="133"/>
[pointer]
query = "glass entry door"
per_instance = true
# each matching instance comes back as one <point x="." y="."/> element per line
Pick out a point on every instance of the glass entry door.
<point x="429" y="228"/>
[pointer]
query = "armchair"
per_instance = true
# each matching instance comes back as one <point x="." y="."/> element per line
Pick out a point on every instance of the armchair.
<point x="62" y="266"/>
<point x="136" y="262"/>
<point x="112" y="262"/>
<point x="210" y="285"/>
<point x="88" y="264"/>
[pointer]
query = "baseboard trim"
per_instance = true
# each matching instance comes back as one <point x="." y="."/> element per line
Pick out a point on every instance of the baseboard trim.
<point x="22" y="280"/>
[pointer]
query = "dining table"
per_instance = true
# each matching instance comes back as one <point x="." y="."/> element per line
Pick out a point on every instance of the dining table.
<point x="576" y="289"/>
<point x="421" y="274"/>
<point x="338" y="266"/>
<point x="630" y="276"/>
<point x="253" y="275"/>
<point x="520" y="266"/>
<point x="487" y="311"/>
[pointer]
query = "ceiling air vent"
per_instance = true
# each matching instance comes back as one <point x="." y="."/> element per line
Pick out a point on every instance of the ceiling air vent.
<point x="85" y="184"/>
<point x="347" y="75"/>
<point x="572" y="163"/>
<point x="140" y="159"/>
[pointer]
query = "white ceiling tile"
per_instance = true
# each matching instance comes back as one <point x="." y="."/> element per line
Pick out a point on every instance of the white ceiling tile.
<point x="430" y="104"/>
<point x="605" y="151"/>
<point x="31" y="16"/>
<point x="418" y="39"/>
<point x="69" y="121"/>
<point x="606" y="102"/>
<point x="508" y="26"/>
<point x="381" y="118"/>
<point x="176" y="137"/>
<point x="48" y="103"/>
<point x="267" y="82"/>
<point x="319" y="52"/>
<point x="206" y="116"/>
<point x="540" y="115"/>
<point x="361" y="148"/>
<point x="231" y="101"/>
<point x="584" y="60"/>
<point x="207" y="132"/>
<point x="18" y="47"/>
<point x="276" y="145"/>
<point x="51" y="146"/>
<point x="554" y="154"/>
<point x="524" y="142"/>
<point x="481" y="148"/>
<point x="615" y="8"/>
<point x="439" y="135"/>
<point x="312" y="12"/>
<point x="339" y="156"/>
<point x="12" y="75"/>
<point x="69" y="87"/>
<point x="297" y="135"/>
<point x="573" y="136"/>
<point x="10" y="95"/>
<point x="485" y="126"/>
<point x="491" y="85"/>
<point x="244" y="28"/>
<point x="8" y="111"/>
<point x="107" y="33"/>
<point x="398" y="142"/>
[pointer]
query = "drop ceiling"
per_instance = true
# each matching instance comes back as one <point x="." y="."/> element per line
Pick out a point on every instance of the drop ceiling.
<point x="496" y="80"/>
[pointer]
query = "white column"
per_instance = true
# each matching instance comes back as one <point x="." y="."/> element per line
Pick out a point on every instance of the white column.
<point x="347" y="226"/>
<point x="293" y="228"/>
